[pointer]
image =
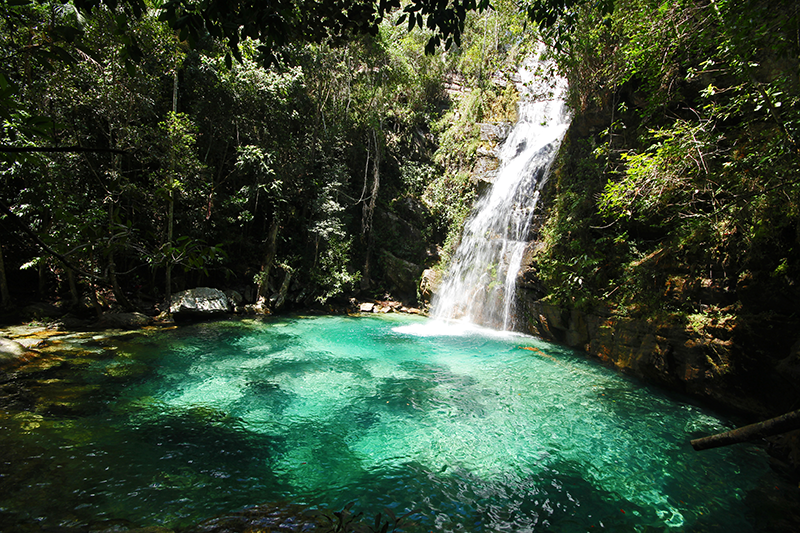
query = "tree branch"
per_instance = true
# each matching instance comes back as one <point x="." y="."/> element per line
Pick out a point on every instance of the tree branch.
<point x="24" y="227"/>
<point x="767" y="428"/>
<point x="53" y="149"/>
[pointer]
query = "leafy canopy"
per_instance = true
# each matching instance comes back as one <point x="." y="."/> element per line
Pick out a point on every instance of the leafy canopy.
<point x="279" y="23"/>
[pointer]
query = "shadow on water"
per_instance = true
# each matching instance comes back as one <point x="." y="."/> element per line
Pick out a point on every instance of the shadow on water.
<point x="171" y="435"/>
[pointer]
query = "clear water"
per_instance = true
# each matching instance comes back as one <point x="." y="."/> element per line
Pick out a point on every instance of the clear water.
<point x="476" y="431"/>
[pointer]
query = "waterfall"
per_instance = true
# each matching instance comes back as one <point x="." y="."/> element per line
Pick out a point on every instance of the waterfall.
<point x="480" y="284"/>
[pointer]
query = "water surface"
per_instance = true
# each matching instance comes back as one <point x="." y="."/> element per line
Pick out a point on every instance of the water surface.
<point x="475" y="431"/>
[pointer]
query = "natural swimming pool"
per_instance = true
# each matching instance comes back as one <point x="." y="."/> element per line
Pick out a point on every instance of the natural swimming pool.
<point x="472" y="430"/>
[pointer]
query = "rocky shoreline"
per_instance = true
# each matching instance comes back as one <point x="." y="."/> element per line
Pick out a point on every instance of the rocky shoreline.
<point x="37" y="324"/>
<point x="42" y="345"/>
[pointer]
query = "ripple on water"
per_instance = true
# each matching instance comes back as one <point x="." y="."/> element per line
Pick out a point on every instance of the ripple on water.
<point x="476" y="431"/>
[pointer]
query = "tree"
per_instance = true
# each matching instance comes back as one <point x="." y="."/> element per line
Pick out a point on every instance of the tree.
<point x="696" y="167"/>
<point x="278" y="24"/>
<point x="5" y="295"/>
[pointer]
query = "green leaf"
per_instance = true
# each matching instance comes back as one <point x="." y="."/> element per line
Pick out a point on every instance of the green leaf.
<point x="130" y="67"/>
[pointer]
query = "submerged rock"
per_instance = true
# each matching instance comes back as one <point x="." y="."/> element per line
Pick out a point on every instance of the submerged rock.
<point x="202" y="301"/>
<point x="279" y="517"/>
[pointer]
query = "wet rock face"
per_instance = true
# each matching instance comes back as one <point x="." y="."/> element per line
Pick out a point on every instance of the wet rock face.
<point x="492" y="135"/>
<point x="403" y="274"/>
<point x="713" y="368"/>
<point x="429" y="283"/>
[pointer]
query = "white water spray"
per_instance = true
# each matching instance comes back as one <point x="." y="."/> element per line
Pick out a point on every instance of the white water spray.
<point x="480" y="285"/>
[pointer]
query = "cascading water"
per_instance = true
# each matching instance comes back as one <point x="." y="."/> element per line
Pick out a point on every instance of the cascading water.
<point x="480" y="284"/>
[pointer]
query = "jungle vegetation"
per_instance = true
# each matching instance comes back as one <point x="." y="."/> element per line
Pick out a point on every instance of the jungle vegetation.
<point x="678" y="194"/>
<point x="150" y="146"/>
<point x="145" y="149"/>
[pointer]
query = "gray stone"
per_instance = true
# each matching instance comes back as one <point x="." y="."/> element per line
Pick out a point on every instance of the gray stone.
<point x="495" y="132"/>
<point x="234" y="299"/>
<point x="429" y="284"/>
<point x="10" y="350"/>
<point x="200" y="301"/>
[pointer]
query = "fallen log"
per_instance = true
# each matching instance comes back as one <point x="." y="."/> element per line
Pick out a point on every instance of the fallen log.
<point x="767" y="428"/>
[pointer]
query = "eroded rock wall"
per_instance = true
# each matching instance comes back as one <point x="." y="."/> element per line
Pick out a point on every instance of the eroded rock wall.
<point x="713" y="368"/>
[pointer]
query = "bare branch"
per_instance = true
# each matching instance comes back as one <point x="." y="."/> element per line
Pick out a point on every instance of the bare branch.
<point x="5" y="149"/>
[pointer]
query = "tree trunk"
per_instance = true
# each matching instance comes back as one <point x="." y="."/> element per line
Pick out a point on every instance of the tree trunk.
<point x="284" y="289"/>
<point x="269" y="259"/>
<point x="767" y="428"/>
<point x="93" y="298"/>
<point x="112" y="266"/>
<point x="73" y="288"/>
<point x="171" y="208"/>
<point x="5" y="296"/>
<point x="369" y="211"/>
<point x="42" y="272"/>
<point x="112" y="277"/>
<point x="168" y="275"/>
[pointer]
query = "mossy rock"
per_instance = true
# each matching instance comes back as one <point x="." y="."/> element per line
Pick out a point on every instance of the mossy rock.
<point x="126" y="369"/>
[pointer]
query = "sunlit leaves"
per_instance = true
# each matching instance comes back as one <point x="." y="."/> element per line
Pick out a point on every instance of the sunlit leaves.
<point x="667" y="179"/>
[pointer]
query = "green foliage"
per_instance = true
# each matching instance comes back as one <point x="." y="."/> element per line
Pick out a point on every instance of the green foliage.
<point x="687" y="195"/>
<point x="180" y="137"/>
<point x="450" y="198"/>
<point x="667" y="179"/>
<point x="160" y="133"/>
<point x="190" y="254"/>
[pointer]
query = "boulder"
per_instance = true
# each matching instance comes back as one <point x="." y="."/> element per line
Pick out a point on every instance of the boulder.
<point x="10" y="350"/>
<point x="429" y="284"/>
<point x="40" y="311"/>
<point x="367" y="307"/>
<point x="234" y="297"/>
<point x="495" y="132"/>
<point x="201" y="301"/>
<point x="485" y="169"/>
<point x="403" y="274"/>
<point x="122" y="321"/>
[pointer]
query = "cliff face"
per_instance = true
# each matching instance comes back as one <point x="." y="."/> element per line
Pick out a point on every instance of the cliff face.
<point x="651" y="304"/>
<point x="669" y="243"/>
<point x="715" y="368"/>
